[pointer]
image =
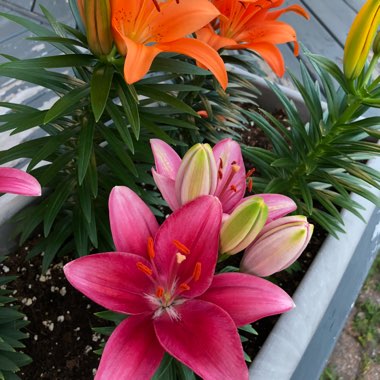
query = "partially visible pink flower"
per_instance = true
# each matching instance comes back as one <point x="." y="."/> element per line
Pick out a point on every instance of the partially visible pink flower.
<point x="16" y="181"/>
<point x="175" y="302"/>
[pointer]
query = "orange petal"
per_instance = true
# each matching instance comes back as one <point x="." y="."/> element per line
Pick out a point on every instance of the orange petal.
<point x="179" y="20"/>
<point x="292" y="8"/>
<point x="208" y="35"/>
<point x="271" y="54"/>
<point x="138" y="60"/>
<point x="202" y="53"/>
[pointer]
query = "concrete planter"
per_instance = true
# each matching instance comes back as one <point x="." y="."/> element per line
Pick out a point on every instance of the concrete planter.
<point x="302" y="340"/>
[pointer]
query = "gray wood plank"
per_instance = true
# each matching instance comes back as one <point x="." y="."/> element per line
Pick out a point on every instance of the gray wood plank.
<point x="59" y="8"/>
<point x="26" y="4"/>
<point x="355" y="4"/>
<point x="335" y="16"/>
<point x="8" y="29"/>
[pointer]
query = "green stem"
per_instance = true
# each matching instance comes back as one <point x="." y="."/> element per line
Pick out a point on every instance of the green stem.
<point x="371" y="67"/>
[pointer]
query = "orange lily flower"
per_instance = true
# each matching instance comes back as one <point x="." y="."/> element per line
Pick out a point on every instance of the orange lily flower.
<point x="144" y="28"/>
<point x="251" y="24"/>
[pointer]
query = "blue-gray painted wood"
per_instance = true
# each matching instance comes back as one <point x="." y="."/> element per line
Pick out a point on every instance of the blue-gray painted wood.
<point x="321" y="345"/>
<point x="355" y="4"/>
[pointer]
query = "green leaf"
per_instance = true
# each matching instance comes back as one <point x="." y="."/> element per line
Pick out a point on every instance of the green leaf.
<point x="51" y="62"/>
<point x="85" y="144"/>
<point x="55" y="203"/>
<point x="111" y="316"/>
<point x="161" y="64"/>
<point x="166" y="370"/>
<point x="61" y="40"/>
<point x="306" y="194"/>
<point x="67" y="103"/>
<point x="7" y="364"/>
<point x="80" y="233"/>
<point x="101" y="81"/>
<point x="130" y="107"/>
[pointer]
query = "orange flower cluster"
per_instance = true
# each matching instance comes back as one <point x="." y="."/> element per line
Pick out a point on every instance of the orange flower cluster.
<point x="142" y="29"/>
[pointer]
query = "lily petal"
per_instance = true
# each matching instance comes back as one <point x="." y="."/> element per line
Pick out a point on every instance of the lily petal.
<point x="166" y="159"/>
<point x="166" y="186"/>
<point x="202" y="53"/>
<point x="195" y="225"/>
<point x="132" y="351"/>
<point x="131" y="221"/>
<point x="227" y="154"/>
<point x="112" y="280"/>
<point x="16" y="181"/>
<point x="199" y="339"/>
<point x="247" y="298"/>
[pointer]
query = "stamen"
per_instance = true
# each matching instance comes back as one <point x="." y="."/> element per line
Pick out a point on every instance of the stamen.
<point x="197" y="271"/>
<point x="159" y="291"/>
<point x="144" y="268"/>
<point x="250" y="184"/>
<point x="220" y="163"/>
<point x="250" y="172"/>
<point x="233" y="188"/>
<point x="181" y="247"/>
<point x="235" y="168"/>
<point x="157" y="5"/>
<point x="184" y="286"/>
<point x="151" y="252"/>
<point x="180" y="258"/>
<point x="220" y="174"/>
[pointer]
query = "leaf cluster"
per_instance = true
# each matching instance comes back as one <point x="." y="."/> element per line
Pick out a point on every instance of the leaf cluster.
<point x="320" y="162"/>
<point x="11" y="323"/>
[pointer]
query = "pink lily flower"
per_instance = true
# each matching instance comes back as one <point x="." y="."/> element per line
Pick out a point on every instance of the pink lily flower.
<point x="229" y="175"/>
<point x="174" y="301"/>
<point x="16" y="181"/>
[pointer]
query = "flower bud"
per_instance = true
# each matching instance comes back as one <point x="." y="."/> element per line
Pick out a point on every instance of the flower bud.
<point x="360" y="37"/>
<point x="197" y="174"/>
<point x="240" y="229"/>
<point x="279" y="244"/>
<point x="96" y="16"/>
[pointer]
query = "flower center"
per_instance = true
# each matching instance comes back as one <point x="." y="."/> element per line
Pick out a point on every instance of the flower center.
<point x="168" y="290"/>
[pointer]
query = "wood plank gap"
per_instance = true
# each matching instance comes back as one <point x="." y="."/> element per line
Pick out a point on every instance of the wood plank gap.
<point x="23" y="12"/>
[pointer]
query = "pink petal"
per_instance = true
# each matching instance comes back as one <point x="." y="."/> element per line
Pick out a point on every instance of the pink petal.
<point x="131" y="352"/>
<point x="166" y="186"/>
<point x="278" y="205"/>
<point x="166" y="159"/>
<point x="226" y="153"/>
<point x="131" y="221"/>
<point x="205" y="339"/>
<point x="247" y="298"/>
<point x="195" y="225"/>
<point x="112" y="280"/>
<point x="16" y="181"/>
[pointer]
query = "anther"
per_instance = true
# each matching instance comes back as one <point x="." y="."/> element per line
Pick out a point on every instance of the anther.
<point x="144" y="268"/>
<point x="235" y="168"/>
<point x="184" y="286"/>
<point x="157" y="5"/>
<point x="197" y="271"/>
<point x="159" y="291"/>
<point x="233" y="188"/>
<point x="249" y="184"/>
<point x="220" y="163"/>
<point x="250" y="172"/>
<point x="220" y="174"/>
<point x="181" y="247"/>
<point x="151" y="252"/>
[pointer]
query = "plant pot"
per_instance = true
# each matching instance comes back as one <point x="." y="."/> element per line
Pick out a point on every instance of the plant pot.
<point x="302" y="340"/>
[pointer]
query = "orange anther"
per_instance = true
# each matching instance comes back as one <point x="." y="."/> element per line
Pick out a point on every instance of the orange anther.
<point x="197" y="271"/>
<point x="184" y="286"/>
<point x="250" y="184"/>
<point x="235" y="168"/>
<point x="181" y="247"/>
<point x="159" y="291"/>
<point x="144" y="268"/>
<point x="233" y="188"/>
<point x="151" y="253"/>
<point x="250" y="172"/>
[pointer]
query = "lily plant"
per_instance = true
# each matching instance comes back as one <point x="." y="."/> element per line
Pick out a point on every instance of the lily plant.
<point x="163" y="278"/>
